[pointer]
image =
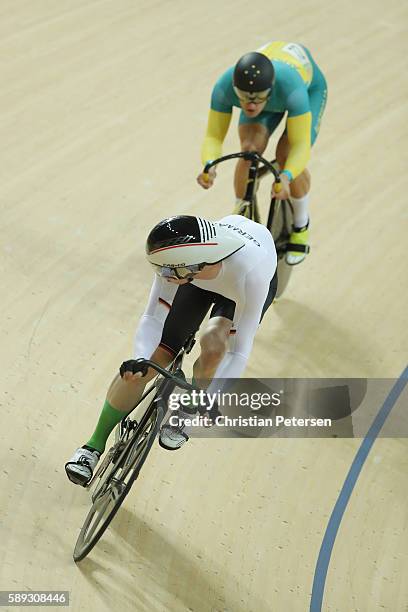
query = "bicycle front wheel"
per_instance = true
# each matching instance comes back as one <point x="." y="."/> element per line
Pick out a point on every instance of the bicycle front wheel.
<point x="116" y="482"/>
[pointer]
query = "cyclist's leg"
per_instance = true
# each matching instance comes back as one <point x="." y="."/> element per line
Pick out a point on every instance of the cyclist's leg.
<point x="254" y="136"/>
<point x="189" y="308"/>
<point x="299" y="190"/>
<point x="213" y="344"/>
<point x="124" y="394"/>
<point x="121" y="398"/>
<point x="300" y="186"/>
<point x="214" y="341"/>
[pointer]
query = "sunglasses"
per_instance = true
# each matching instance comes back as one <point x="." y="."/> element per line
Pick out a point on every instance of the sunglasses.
<point x="257" y="98"/>
<point x="180" y="273"/>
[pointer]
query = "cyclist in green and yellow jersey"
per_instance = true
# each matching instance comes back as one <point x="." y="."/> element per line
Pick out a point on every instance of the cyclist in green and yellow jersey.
<point x="279" y="78"/>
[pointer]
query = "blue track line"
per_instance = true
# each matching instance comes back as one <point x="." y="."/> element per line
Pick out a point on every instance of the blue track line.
<point x="323" y="560"/>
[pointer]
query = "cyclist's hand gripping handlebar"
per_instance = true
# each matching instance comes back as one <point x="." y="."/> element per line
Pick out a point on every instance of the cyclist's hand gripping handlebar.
<point x="206" y="179"/>
<point x="142" y="365"/>
<point x="277" y="185"/>
<point x="134" y="366"/>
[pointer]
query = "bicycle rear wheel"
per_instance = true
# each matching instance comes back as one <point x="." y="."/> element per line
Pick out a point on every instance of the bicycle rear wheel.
<point x="122" y="467"/>
<point x="280" y="225"/>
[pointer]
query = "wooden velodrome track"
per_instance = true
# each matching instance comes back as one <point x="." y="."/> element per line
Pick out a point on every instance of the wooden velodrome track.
<point x="103" y="108"/>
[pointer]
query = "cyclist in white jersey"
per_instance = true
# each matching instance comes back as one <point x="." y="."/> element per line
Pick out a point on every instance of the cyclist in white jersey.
<point x="229" y="265"/>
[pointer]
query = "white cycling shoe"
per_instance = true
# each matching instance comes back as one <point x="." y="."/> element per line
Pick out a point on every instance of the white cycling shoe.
<point x="171" y="437"/>
<point x="81" y="466"/>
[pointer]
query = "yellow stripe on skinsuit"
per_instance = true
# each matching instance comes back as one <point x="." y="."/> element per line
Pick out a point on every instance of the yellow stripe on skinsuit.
<point x="292" y="54"/>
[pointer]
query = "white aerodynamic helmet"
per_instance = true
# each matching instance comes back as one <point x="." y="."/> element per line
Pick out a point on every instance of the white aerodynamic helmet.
<point x="185" y="241"/>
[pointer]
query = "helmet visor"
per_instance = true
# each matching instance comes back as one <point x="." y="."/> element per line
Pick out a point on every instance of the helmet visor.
<point x="257" y="97"/>
<point x="180" y="273"/>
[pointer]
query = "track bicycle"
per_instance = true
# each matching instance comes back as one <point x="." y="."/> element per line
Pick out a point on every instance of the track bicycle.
<point x="122" y="463"/>
<point x="280" y="215"/>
